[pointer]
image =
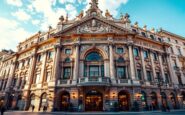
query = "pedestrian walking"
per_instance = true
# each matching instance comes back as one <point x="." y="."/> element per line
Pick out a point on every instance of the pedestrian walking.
<point x="33" y="107"/>
<point x="2" y="110"/>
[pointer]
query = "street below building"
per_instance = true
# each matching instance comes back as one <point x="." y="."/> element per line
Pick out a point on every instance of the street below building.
<point x="178" y="112"/>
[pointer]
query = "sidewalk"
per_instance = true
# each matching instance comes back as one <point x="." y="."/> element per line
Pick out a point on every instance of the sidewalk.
<point x="104" y="113"/>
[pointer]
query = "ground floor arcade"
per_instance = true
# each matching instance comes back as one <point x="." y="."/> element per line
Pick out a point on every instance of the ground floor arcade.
<point x="95" y="98"/>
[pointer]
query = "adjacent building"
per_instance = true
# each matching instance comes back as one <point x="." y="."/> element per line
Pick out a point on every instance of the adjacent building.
<point x="95" y="63"/>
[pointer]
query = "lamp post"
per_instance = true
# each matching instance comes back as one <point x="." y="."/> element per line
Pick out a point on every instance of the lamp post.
<point x="160" y="82"/>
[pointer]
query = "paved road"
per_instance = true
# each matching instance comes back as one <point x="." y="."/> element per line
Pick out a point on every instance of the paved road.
<point x="107" y="113"/>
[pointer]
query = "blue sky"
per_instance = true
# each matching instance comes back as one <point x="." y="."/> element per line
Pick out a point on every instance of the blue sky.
<point x="19" y="19"/>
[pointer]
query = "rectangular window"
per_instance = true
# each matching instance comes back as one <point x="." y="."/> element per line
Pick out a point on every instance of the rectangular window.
<point x="50" y="54"/>
<point x="39" y="58"/>
<point x="67" y="51"/>
<point x="121" y="72"/>
<point x="158" y="76"/>
<point x="139" y="75"/>
<point x="143" y="34"/>
<point x="167" y="78"/>
<point x="48" y="76"/>
<point x="155" y="56"/>
<point x="145" y="53"/>
<point x="152" y="36"/>
<point x="94" y="71"/>
<point x="176" y="41"/>
<point x="163" y="59"/>
<point x="67" y="73"/>
<point x="175" y="63"/>
<point x="169" y="40"/>
<point x="136" y="52"/>
<point x="171" y="50"/>
<point x="120" y="50"/>
<point x="37" y="78"/>
<point x="179" y="51"/>
<point x="149" y="76"/>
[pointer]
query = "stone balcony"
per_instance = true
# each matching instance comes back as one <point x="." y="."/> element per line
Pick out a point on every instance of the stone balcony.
<point x="124" y="82"/>
<point x="95" y="81"/>
<point x="65" y="82"/>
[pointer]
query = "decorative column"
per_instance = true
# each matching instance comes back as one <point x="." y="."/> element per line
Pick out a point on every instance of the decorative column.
<point x="10" y="78"/>
<point x="161" y="66"/>
<point x="143" y="65"/>
<point x="112" y="65"/>
<point x="43" y="67"/>
<point x="131" y="59"/>
<point x="76" y="64"/>
<point x="153" y="66"/>
<point x="30" y="77"/>
<point x="56" y="63"/>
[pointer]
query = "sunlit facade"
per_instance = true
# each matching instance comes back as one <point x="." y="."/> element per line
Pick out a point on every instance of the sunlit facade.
<point x="95" y="63"/>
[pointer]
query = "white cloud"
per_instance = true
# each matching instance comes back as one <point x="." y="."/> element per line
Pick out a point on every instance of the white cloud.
<point x="21" y="15"/>
<point x="67" y="1"/>
<point x="11" y="34"/>
<point x="14" y="2"/>
<point x="35" y="22"/>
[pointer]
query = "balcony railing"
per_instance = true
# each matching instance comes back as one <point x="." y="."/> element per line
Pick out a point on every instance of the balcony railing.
<point x="124" y="81"/>
<point x="64" y="82"/>
<point x="94" y="81"/>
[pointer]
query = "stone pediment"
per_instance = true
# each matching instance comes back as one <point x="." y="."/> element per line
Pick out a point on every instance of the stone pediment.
<point x="92" y="25"/>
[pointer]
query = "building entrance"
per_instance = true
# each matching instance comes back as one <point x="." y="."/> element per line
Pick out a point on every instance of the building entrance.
<point x="94" y="101"/>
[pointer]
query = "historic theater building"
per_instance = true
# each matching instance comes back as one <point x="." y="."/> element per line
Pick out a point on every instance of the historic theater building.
<point x="95" y="63"/>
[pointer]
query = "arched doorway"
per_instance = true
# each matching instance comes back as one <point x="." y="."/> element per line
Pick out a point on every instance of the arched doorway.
<point x="94" y="65"/>
<point x="32" y="100"/>
<point x="154" y="102"/>
<point x="64" y="101"/>
<point x="124" y="101"/>
<point x="173" y="100"/>
<point x="144" y="100"/>
<point x="20" y="103"/>
<point x="94" y="101"/>
<point x="164" y="99"/>
<point x="43" y="101"/>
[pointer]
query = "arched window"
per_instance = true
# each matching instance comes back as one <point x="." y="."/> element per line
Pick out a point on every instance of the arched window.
<point x="93" y="56"/>
<point x="43" y="101"/>
<point x="32" y="100"/>
<point x="67" y="60"/>
<point x="120" y="60"/>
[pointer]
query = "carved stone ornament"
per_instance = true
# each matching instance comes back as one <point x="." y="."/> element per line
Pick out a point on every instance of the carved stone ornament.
<point x="93" y="27"/>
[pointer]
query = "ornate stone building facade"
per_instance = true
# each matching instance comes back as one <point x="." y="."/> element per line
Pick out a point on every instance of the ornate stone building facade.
<point x="95" y="63"/>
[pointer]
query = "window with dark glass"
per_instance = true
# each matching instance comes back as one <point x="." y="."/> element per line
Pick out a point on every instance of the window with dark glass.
<point x="50" y="54"/>
<point x="136" y="52"/>
<point x="39" y="58"/>
<point x="120" y="50"/>
<point x="67" y="51"/>
<point x="94" y="71"/>
<point x="120" y="60"/>
<point x="169" y="40"/>
<point x="149" y="76"/>
<point x="171" y="50"/>
<point x="67" y="73"/>
<point x="41" y="39"/>
<point x="93" y="56"/>
<point x="139" y="74"/>
<point x="48" y="76"/>
<point x="143" y="34"/>
<point x="152" y="36"/>
<point x="14" y="82"/>
<point x="28" y="61"/>
<point x="155" y="56"/>
<point x="176" y="41"/>
<point x="175" y="64"/>
<point x="121" y="72"/>
<point x="163" y="58"/>
<point x="67" y="60"/>
<point x="167" y="78"/>
<point x="179" y="51"/>
<point x="160" y="39"/>
<point x="145" y="54"/>
<point x="134" y="30"/>
<point x="158" y="76"/>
